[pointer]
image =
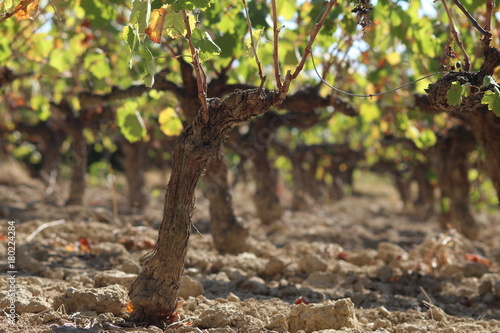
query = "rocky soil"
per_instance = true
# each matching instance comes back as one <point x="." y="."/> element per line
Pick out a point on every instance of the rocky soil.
<point x="357" y="265"/>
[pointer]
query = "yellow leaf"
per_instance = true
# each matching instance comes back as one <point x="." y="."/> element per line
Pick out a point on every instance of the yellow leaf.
<point x="27" y="8"/>
<point x="170" y="124"/>
<point x="393" y="58"/>
<point x="384" y="126"/>
<point x="155" y="28"/>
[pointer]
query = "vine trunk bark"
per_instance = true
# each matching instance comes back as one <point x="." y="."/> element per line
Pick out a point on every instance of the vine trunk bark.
<point x="133" y="162"/>
<point x="266" y="200"/>
<point x="229" y="234"/>
<point x="78" y="163"/>
<point x="154" y="292"/>
<point x="452" y="167"/>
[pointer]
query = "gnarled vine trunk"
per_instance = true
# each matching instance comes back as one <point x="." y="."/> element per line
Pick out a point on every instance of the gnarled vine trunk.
<point x="425" y="199"/>
<point x="229" y="235"/>
<point x="78" y="163"/>
<point x="452" y="169"/>
<point x="485" y="125"/>
<point x="154" y="292"/>
<point x="133" y="162"/>
<point x="486" y="128"/>
<point x="266" y="200"/>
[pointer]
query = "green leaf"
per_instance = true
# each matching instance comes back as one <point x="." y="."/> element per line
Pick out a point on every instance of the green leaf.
<point x="97" y="64"/>
<point x="174" y="25"/>
<point x="256" y="34"/>
<point x="7" y="4"/>
<point x="140" y="14"/>
<point x="488" y="80"/>
<point x="286" y="9"/>
<point x="61" y="60"/>
<point x="190" y="4"/>
<point x="148" y="66"/>
<point x="130" y="122"/>
<point x="4" y="50"/>
<point x="41" y="105"/>
<point x="454" y="94"/>
<point x="426" y="139"/>
<point x="492" y="99"/>
<point x="369" y="112"/>
<point x="205" y="45"/>
<point x="130" y="37"/>
<point x="99" y="12"/>
<point x="231" y="45"/>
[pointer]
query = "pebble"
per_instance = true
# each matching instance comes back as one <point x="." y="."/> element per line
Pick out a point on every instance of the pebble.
<point x="190" y="288"/>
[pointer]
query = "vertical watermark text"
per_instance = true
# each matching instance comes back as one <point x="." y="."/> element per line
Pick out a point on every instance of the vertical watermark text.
<point x="12" y="271"/>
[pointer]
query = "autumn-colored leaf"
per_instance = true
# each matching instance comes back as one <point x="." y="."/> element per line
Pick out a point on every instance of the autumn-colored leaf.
<point x="28" y="8"/>
<point x="155" y="28"/>
<point x="85" y="245"/>
<point x="129" y="307"/>
<point x="477" y="258"/>
<point x="3" y="237"/>
<point x="342" y="256"/>
<point x="301" y="300"/>
<point x="180" y="301"/>
<point x="149" y="244"/>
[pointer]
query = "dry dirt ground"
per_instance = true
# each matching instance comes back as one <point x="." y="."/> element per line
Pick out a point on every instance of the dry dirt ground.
<point x="357" y="265"/>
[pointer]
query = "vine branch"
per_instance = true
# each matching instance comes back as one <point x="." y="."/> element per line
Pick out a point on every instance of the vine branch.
<point x="202" y="85"/>
<point x="276" y="32"/>
<point x="252" y="43"/>
<point x="22" y="6"/>
<point x="456" y="37"/>
<point x="284" y="86"/>
<point x="486" y="40"/>
<point x="484" y="32"/>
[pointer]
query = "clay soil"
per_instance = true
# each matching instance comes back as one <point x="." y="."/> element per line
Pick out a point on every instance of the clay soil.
<point x="357" y="265"/>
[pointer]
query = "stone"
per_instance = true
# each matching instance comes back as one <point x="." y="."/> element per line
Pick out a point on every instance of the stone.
<point x="274" y="266"/>
<point x="28" y="264"/>
<point x="321" y="279"/>
<point x="318" y="316"/>
<point x="256" y="286"/>
<point x="25" y="302"/>
<point x="363" y="257"/>
<point x="190" y="288"/>
<point x="381" y="323"/>
<point x="497" y="289"/>
<point x="278" y="323"/>
<point x="312" y="263"/>
<point x="437" y="314"/>
<point x="128" y="265"/>
<point x="227" y="314"/>
<point x="108" y="278"/>
<point x="385" y="273"/>
<point x="106" y="299"/>
<point x="391" y="253"/>
<point x="475" y="269"/>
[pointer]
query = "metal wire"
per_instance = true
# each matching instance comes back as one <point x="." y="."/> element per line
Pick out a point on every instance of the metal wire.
<point x="370" y="95"/>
